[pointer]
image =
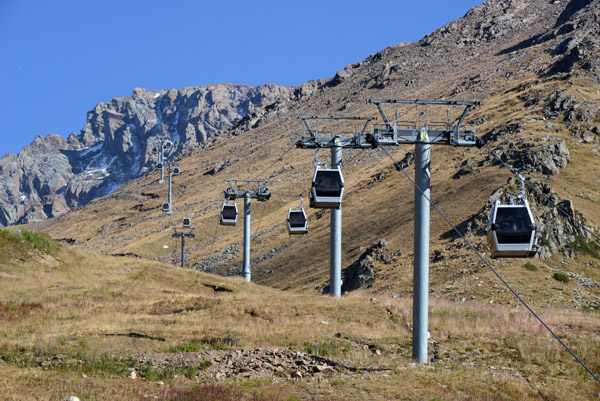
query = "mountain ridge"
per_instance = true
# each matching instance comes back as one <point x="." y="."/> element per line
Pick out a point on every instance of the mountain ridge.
<point x="54" y="174"/>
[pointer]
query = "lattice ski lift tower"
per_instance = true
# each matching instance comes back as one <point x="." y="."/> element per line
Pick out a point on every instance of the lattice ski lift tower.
<point x="393" y="134"/>
<point x="259" y="191"/>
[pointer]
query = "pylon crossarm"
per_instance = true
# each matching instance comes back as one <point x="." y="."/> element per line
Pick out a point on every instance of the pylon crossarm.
<point x="237" y="190"/>
<point x="389" y="134"/>
<point x="420" y="101"/>
<point x="183" y="232"/>
<point x="315" y="140"/>
<point x="309" y="142"/>
<point x="436" y="137"/>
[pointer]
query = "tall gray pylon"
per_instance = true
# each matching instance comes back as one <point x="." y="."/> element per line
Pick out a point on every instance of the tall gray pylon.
<point x="388" y="134"/>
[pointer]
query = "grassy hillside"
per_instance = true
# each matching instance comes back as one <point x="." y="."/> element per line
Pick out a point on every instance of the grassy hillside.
<point x="378" y="204"/>
<point x="114" y="300"/>
<point x="78" y="323"/>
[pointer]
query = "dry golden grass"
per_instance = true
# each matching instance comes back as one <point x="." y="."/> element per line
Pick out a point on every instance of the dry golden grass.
<point x="89" y="303"/>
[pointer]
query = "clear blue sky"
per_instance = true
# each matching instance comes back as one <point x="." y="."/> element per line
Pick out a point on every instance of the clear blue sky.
<point x="59" y="58"/>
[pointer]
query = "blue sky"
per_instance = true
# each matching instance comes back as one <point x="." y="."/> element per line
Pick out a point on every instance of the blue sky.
<point x="60" y="58"/>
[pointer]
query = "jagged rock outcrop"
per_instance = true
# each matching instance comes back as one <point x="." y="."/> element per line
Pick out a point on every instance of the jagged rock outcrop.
<point x="362" y="273"/>
<point x="54" y="174"/>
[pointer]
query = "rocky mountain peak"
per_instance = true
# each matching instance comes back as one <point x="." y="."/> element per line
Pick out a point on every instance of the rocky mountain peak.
<point x="54" y="174"/>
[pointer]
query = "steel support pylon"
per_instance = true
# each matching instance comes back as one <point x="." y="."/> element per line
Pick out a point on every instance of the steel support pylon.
<point x="182" y="251"/>
<point x="246" y="270"/>
<point x="421" y="245"/>
<point x="335" y="253"/>
<point x="390" y="134"/>
<point x="170" y="192"/>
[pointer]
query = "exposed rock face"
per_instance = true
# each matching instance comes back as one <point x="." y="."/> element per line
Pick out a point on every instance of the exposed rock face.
<point x="361" y="274"/>
<point x="54" y="174"/>
<point x="548" y="156"/>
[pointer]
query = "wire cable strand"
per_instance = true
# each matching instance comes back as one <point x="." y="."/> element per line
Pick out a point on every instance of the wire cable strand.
<point x="513" y="170"/>
<point x="280" y="158"/>
<point x="399" y="167"/>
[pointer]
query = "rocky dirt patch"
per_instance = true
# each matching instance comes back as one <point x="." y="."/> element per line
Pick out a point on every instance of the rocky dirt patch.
<point x="267" y="363"/>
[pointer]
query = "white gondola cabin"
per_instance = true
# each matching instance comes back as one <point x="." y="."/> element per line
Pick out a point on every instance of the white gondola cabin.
<point x="297" y="223"/>
<point x="229" y="214"/>
<point x="165" y="207"/>
<point x="176" y="170"/>
<point x="327" y="188"/>
<point x="187" y="222"/>
<point x="511" y="231"/>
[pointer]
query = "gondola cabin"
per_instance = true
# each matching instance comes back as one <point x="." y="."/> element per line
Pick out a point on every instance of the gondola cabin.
<point x="229" y="214"/>
<point x="297" y="223"/>
<point x="159" y="165"/>
<point x="327" y="188"/>
<point x="263" y="195"/>
<point x="511" y="231"/>
<point x="176" y="170"/>
<point x="187" y="222"/>
<point x="165" y="207"/>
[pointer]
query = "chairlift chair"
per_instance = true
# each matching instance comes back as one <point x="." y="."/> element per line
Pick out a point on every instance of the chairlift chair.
<point x="165" y="207"/>
<point x="327" y="188"/>
<point x="511" y="231"/>
<point x="229" y="214"/>
<point x="187" y="222"/>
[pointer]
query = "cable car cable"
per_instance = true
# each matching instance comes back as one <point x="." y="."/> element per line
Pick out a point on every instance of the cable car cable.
<point x="399" y="167"/>
<point x="134" y="280"/>
<point x="280" y="158"/>
<point x="512" y="170"/>
<point x="209" y="254"/>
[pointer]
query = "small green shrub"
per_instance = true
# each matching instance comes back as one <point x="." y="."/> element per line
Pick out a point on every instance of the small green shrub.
<point x="582" y="246"/>
<point x="546" y="243"/>
<point x="188" y="346"/>
<point x="561" y="277"/>
<point x="34" y="239"/>
<point x="326" y="347"/>
<point x="54" y="358"/>
<point x="338" y="381"/>
<point x="39" y="241"/>
<point x="191" y="373"/>
<point x="5" y="234"/>
<point x="530" y="266"/>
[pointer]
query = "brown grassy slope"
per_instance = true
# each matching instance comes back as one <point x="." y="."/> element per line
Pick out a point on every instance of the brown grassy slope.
<point x="92" y="305"/>
<point x="130" y="220"/>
